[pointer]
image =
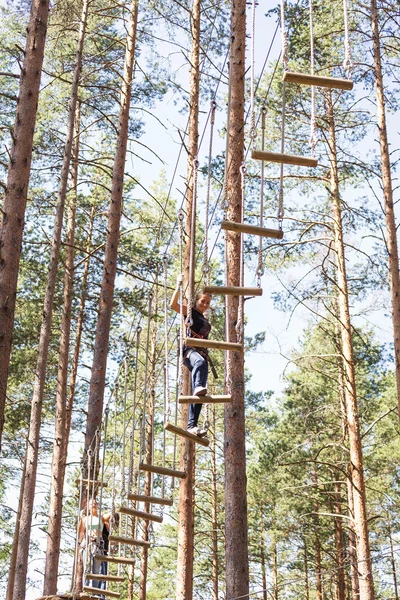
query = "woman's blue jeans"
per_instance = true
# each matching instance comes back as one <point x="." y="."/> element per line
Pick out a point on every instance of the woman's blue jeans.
<point x="198" y="366"/>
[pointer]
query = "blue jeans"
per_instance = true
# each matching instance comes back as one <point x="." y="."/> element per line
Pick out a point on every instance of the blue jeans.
<point x="198" y="366"/>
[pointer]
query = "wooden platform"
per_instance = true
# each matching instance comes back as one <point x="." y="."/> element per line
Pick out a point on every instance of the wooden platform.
<point x="286" y="159"/>
<point x="226" y="290"/>
<point x="200" y="343"/>
<point x="118" y="560"/>
<point x="151" y="499"/>
<point x="252" y="229"/>
<point x="203" y="441"/>
<point x="126" y="510"/>
<point x="317" y="80"/>
<point x="117" y="539"/>
<point x="204" y="399"/>
<point x="162" y="471"/>
<point x="67" y="596"/>
<point x="91" y="482"/>
<point x="96" y="592"/>
<point x="98" y="577"/>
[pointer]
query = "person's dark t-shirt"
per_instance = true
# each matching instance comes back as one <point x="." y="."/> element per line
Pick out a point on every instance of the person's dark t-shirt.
<point x="201" y="326"/>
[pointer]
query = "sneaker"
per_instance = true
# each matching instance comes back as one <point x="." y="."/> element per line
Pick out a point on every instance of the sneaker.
<point x="197" y="431"/>
<point x="200" y="391"/>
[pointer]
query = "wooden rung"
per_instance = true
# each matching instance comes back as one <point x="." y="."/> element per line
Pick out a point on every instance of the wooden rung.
<point x="91" y="482"/>
<point x="151" y="499"/>
<point x="118" y="560"/>
<point x="162" y="471"/>
<point x="227" y="290"/>
<point x="97" y="592"/>
<point x="286" y="159"/>
<point x="190" y="436"/>
<point x="98" y="577"/>
<point x="317" y="80"/>
<point x="126" y="510"/>
<point x="253" y="229"/>
<point x="200" y="343"/>
<point x="204" y="399"/>
<point x="129" y="541"/>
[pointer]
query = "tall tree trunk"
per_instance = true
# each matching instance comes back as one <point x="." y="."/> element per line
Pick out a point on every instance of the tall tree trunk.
<point x="355" y="585"/>
<point x="339" y="546"/>
<point x="99" y="366"/>
<point x="360" y="511"/>
<point x="236" y="530"/>
<point x="78" y="572"/>
<point x="13" y="559"/>
<point x="184" y="580"/>
<point x="44" y="340"/>
<point x="262" y="554"/>
<point x="62" y="426"/>
<point x="275" y="593"/>
<point x="149" y="461"/>
<point x="17" y="185"/>
<point x="391" y="234"/>
<point x="393" y="562"/>
<point x="214" y="512"/>
<point x="306" y="581"/>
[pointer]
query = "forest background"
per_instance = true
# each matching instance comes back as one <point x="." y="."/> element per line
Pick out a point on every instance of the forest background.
<point x="291" y="402"/>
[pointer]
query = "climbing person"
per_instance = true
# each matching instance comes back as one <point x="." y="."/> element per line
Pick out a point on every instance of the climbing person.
<point x="91" y="541"/>
<point x="196" y="360"/>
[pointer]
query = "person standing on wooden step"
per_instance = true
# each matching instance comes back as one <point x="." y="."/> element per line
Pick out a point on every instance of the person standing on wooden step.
<point x="195" y="360"/>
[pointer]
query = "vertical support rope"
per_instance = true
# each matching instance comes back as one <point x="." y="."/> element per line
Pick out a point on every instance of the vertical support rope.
<point x="134" y="408"/>
<point x="180" y="280"/>
<point x="260" y="262"/>
<point x="123" y="474"/>
<point x="146" y="367"/>
<point x="313" y="135"/>
<point x="280" y="204"/>
<point x="285" y="43"/>
<point x="192" y="261"/>
<point x="347" y="63"/>
<point x="240" y="320"/>
<point x="206" y="266"/>
<point x="253" y="132"/>
<point x="114" y="462"/>
<point x="225" y="184"/>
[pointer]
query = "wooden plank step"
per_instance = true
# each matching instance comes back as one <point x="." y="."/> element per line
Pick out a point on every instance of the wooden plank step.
<point x="126" y="510"/>
<point x="118" y="560"/>
<point x="204" y="399"/>
<point x="128" y="541"/>
<point x="252" y="229"/>
<point x="227" y="290"/>
<point x="151" y="499"/>
<point x="68" y="596"/>
<point x="162" y="471"/>
<point x="200" y="343"/>
<point x="286" y="159"/>
<point x="98" y="577"/>
<point x="98" y="592"/>
<point x="317" y="80"/>
<point x="190" y="436"/>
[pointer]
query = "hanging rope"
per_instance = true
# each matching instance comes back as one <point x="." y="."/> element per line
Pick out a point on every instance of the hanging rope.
<point x="134" y="408"/>
<point x="313" y="134"/>
<point x="206" y="266"/>
<point x="253" y="132"/>
<point x="260" y="261"/>
<point x="180" y="283"/>
<point x="285" y="43"/>
<point x="240" y="320"/>
<point x="113" y="494"/>
<point x="347" y="63"/>
<point x="281" y="213"/>
<point x="145" y="387"/>
<point x="192" y="260"/>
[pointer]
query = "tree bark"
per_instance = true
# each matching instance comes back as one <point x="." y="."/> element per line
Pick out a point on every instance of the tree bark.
<point x="356" y="458"/>
<point x="393" y="562"/>
<point x="13" y="559"/>
<point x="275" y="570"/>
<point x="214" y="512"/>
<point x="306" y="581"/>
<point x="236" y="529"/>
<point x="391" y="237"/>
<point x="98" y="377"/>
<point x="184" y="581"/>
<point x="16" y="194"/>
<point x="339" y="546"/>
<point x="62" y="426"/>
<point x="45" y="331"/>
<point x="355" y="586"/>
